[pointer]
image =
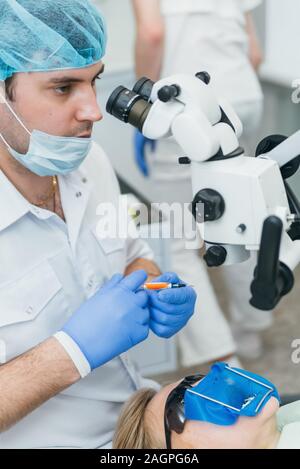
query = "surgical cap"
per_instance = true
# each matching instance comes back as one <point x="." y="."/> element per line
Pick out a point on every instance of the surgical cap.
<point x="45" y="35"/>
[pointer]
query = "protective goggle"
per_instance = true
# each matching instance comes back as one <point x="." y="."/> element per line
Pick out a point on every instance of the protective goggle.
<point x="174" y="417"/>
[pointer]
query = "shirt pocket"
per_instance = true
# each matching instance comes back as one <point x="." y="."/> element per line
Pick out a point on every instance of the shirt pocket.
<point x="32" y="308"/>
<point x="113" y="253"/>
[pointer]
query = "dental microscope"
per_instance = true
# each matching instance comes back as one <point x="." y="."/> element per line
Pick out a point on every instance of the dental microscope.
<point x="241" y="203"/>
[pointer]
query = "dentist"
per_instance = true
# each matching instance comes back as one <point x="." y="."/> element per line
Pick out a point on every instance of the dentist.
<point x="70" y="299"/>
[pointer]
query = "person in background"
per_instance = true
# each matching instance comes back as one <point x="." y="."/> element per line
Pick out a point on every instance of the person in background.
<point x="217" y="36"/>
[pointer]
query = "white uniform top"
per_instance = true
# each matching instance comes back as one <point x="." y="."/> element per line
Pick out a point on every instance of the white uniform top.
<point x="48" y="269"/>
<point x="288" y="420"/>
<point x="220" y="7"/>
<point x="211" y="35"/>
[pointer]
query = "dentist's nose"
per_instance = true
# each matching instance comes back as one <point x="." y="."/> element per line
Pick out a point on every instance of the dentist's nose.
<point x="89" y="109"/>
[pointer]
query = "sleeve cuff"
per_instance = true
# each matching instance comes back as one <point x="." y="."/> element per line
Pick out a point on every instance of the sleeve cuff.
<point x="74" y="352"/>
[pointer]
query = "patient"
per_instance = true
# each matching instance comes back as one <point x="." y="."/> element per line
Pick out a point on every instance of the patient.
<point x="227" y="409"/>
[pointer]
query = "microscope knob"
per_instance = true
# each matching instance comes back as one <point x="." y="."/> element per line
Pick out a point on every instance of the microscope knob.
<point x="183" y="160"/>
<point x="166" y="93"/>
<point x="204" y="76"/>
<point x="214" y="204"/>
<point x="215" y="256"/>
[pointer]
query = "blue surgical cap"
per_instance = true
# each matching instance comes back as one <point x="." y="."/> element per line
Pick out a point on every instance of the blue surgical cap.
<point x="45" y="35"/>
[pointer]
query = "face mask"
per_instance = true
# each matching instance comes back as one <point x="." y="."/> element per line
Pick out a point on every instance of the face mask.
<point x="49" y="155"/>
<point x="227" y="393"/>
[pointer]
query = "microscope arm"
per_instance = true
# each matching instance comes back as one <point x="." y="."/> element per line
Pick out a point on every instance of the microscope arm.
<point x="278" y="257"/>
<point x="286" y="151"/>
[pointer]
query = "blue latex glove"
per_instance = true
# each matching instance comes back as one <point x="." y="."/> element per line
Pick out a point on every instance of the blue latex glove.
<point x="170" y="309"/>
<point x="140" y="145"/>
<point x="115" y="319"/>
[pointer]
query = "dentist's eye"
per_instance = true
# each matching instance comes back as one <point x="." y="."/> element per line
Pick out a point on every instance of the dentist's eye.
<point x="62" y="90"/>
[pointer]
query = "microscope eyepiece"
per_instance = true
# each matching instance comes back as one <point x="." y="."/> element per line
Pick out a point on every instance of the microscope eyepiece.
<point x="128" y="107"/>
<point x="144" y="88"/>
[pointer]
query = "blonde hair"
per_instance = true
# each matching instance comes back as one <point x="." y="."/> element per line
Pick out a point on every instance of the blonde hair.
<point x="132" y="431"/>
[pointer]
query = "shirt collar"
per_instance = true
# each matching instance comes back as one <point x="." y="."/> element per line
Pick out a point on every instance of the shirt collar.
<point x="75" y="191"/>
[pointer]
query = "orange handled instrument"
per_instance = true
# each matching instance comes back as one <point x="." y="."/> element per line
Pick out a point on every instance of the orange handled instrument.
<point x="162" y="285"/>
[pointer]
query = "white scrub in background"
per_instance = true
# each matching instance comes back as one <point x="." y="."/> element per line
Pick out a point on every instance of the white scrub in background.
<point x="209" y="35"/>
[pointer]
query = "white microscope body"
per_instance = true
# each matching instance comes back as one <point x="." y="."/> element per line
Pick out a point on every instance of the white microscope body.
<point x="238" y="193"/>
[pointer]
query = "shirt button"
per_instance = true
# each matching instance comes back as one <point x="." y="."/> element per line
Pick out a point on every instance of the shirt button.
<point x="78" y="194"/>
<point x="91" y="283"/>
<point x="29" y="310"/>
<point x="84" y="180"/>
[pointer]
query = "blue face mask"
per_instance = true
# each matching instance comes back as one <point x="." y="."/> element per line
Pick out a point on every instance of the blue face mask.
<point x="227" y="393"/>
<point x="49" y="155"/>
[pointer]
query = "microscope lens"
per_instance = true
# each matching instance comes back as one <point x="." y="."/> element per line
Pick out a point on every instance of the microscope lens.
<point x="128" y="106"/>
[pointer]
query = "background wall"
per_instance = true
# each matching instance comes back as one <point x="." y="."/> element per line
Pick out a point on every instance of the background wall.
<point x="121" y="31"/>
<point x="282" y="58"/>
<point x="278" y="28"/>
